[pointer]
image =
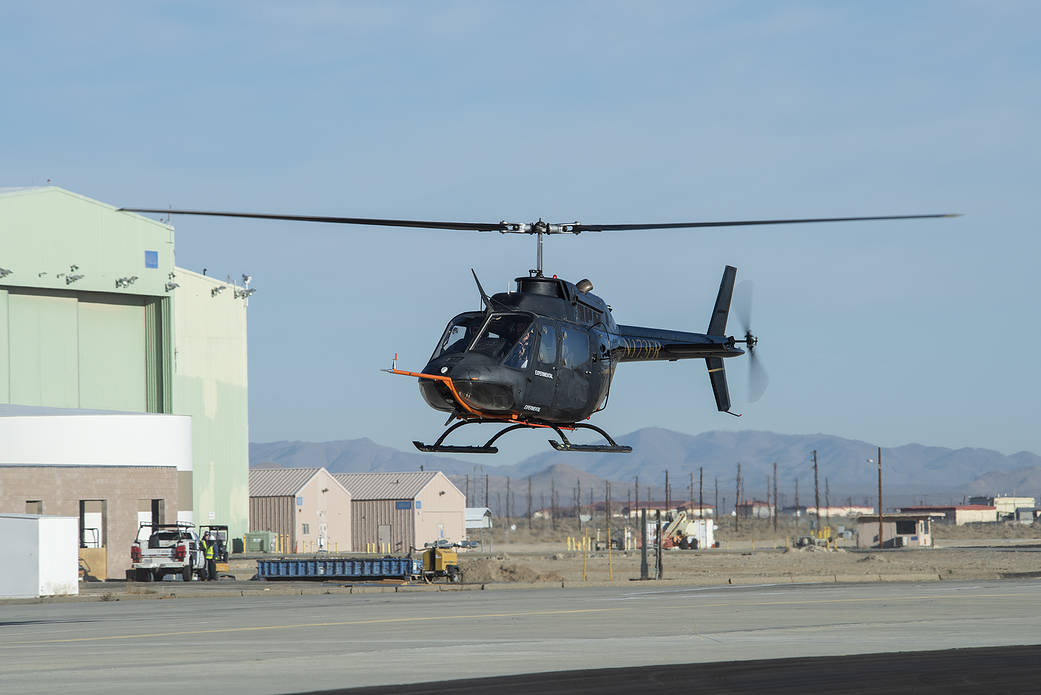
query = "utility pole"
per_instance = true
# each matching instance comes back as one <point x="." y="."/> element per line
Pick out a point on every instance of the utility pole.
<point x="636" y="486"/>
<point x="797" y="503"/>
<point x="467" y="489"/>
<point x="701" y="492"/>
<point x="578" y="505"/>
<point x="607" y="503"/>
<point x="486" y="490"/>
<point x="691" y="498"/>
<point x="529" y="502"/>
<point x="880" y="498"/>
<point x="715" y="511"/>
<point x="827" y="501"/>
<point x="507" y="499"/>
<point x="737" y="498"/>
<point x="667" y="505"/>
<point x="553" y="502"/>
<point x="775" y="496"/>
<point x="816" y="493"/>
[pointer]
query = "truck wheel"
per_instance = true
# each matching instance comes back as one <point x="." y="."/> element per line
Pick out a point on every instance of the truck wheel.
<point x="186" y="573"/>
<point x="454" y="575"/>
<point x="142" y="576"/>
<point x="157" y="575"/>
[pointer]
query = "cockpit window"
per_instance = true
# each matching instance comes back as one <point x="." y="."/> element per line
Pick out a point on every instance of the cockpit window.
<point x="502" y="333"/>
<point x="460" y="333"/>
<point x="520" y="355"/>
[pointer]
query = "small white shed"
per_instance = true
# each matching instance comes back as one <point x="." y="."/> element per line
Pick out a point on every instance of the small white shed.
<point x="41" y="555"/>
<point x="478" y="517"/>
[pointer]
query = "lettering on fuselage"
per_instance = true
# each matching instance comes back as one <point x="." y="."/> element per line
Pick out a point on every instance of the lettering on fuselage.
<point x="541" y="373"/>
<point x="533" y="408"/>
<point x="641" y="348"/>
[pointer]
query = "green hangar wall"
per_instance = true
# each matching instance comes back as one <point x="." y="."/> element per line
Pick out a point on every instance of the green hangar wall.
<point x="94" y="315"/>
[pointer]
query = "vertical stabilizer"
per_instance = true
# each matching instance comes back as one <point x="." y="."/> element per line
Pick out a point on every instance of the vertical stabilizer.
<point x="717" y="325"/>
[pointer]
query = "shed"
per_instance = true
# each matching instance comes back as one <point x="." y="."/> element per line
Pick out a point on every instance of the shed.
<point x="307" y="507"/>
<point x="902" y="530"/>
<point x="394" y="512"/>
<point x="478" y="517"/>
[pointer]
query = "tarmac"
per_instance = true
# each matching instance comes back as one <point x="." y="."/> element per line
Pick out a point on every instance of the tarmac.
<point x="283" y="642"/>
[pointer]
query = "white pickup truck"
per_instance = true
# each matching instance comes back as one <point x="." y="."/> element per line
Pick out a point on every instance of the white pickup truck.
<point x="166" y="549"/>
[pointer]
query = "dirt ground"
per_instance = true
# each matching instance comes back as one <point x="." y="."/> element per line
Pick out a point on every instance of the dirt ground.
<point x="756" y="553"/>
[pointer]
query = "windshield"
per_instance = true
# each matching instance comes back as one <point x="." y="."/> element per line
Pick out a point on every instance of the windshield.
<point x="502" y="333"/>
<point x="460" y="333"/>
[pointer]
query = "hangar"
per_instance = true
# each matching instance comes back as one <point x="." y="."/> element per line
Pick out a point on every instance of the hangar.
<point x="94" y="315"/>
<point x="394" y="512"/>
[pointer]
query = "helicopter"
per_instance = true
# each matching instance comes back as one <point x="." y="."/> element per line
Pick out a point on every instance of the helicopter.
<point x="543" y="356"/>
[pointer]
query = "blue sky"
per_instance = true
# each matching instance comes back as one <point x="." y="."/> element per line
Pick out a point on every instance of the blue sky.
<point x="601" y="112"/>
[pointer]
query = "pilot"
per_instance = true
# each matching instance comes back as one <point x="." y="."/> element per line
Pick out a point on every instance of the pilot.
<point x="523" y="349"/>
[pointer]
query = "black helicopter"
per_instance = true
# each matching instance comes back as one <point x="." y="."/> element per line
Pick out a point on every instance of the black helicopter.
<point x="544" y="355"/>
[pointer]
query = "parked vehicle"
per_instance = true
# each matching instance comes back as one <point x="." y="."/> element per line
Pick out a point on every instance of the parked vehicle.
<point x="166" y="549"/>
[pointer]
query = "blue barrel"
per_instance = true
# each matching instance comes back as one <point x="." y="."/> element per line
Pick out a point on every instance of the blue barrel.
<point x="340" y="568"/>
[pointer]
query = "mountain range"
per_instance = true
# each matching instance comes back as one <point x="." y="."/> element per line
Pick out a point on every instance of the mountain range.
<point x="912" y="473"/>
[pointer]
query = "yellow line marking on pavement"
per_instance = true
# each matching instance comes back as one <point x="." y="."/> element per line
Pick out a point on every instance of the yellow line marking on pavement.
<point x="372" y="621"/>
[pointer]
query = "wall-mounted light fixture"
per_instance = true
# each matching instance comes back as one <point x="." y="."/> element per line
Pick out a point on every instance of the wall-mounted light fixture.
<point x="122" y="283"/>
<point x="4" y="272"/>
<point x="171" y="286"/>
<point x="217" y="290"/>
<point x="69" y="279"/>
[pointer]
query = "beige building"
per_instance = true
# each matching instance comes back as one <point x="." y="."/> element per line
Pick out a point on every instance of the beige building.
<point x="911" y="530"/>
<point x="958" y="514"/>
<point x="840" y="510"/>
<point x="394" y="512"/>
<point x="307" y="507"/>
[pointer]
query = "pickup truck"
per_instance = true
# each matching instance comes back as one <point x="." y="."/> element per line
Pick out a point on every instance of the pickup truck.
<point x="166" y="549"/>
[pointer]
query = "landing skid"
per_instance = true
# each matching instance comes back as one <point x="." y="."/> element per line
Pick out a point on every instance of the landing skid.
<point x="440" y="447"/>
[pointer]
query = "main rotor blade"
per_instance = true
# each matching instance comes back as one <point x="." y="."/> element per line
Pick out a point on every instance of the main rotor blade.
<point x="421" y="224"/>
<point x="576" y="228"/>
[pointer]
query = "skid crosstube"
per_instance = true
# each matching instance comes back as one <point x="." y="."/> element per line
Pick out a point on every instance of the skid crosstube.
<point x="564" y="445"/>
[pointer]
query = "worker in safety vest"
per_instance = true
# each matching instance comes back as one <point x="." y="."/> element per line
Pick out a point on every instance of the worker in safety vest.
<point x="209" y="549"/>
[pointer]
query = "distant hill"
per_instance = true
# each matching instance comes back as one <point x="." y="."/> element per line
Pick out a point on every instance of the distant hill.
<point x="911" y="473"/>
<point x="348" y="456"/>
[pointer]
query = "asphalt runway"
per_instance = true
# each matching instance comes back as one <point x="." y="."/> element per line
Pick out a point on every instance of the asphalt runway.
<point x="291" y="644"/>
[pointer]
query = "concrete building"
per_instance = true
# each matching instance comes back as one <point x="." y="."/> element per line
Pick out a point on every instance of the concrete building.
<point x="308" y="507"/>
<point x="957" y="514"/>
<point x="1005" y="505"/>
<point x="110" y="471"/>
<point x="911" y="530"/>
<point x="755" y="509"/>
<point x="393" y="512"/>
<point x="840" y="510"/>
<point x="94" y="315"/>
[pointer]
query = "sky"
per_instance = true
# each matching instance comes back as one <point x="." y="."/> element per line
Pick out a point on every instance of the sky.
<point x="888" y="332"/>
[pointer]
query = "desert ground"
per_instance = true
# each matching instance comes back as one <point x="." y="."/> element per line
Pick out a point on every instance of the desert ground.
<point x="755" y="553"/>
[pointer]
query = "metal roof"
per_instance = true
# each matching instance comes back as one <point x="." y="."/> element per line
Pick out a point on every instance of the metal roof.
<point x="385" y="486"/>
<point x="279" y="482"/>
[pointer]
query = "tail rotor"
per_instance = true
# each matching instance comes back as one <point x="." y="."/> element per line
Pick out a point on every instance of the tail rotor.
<point x="758" y="379"/>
